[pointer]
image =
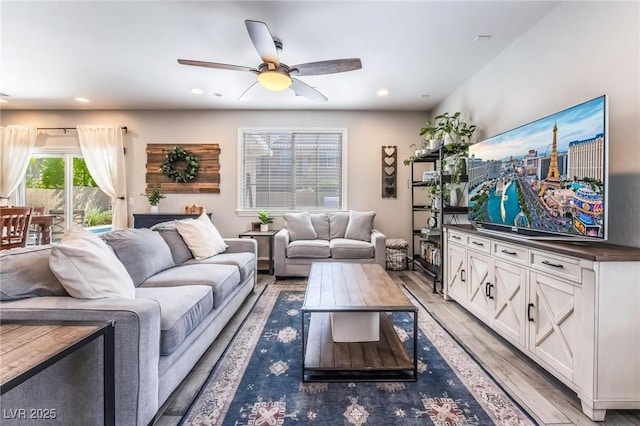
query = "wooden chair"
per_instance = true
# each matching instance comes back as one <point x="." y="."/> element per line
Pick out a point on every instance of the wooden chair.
<point x="14" y="226"/>
<point x="33" y="238"/>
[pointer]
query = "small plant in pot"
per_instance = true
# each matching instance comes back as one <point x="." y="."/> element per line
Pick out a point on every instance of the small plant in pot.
<point x="429" y="143"/>
<point x="430" y="135"/>
<point x="153" y="197"/>
<point x="265" y="219"/>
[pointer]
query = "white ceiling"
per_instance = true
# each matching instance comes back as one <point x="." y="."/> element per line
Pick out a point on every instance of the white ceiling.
<point x="122" y="55"/>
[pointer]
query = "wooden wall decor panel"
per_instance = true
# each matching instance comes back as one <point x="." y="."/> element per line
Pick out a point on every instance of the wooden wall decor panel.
<point x="389" y="171"/>
<point x="207" y="181"/>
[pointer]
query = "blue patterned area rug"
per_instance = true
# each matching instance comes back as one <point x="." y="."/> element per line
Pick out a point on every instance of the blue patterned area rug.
<point x="258" y="380"/>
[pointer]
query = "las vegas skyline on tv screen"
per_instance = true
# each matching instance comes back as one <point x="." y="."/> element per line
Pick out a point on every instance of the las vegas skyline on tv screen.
<point x="547" y="175"/>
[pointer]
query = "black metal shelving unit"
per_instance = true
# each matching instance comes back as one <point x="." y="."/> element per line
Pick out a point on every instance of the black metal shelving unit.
<point x="426" y="250"/>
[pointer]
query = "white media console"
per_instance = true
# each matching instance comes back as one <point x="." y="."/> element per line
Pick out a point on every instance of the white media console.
<point x="573" y="309"/>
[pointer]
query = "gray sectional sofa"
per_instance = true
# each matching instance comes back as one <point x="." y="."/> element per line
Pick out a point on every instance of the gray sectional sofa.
<point x="180" y="307"/>
<point x="327" y="237"/>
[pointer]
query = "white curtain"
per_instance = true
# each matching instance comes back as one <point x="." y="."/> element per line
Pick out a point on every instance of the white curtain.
<point x="103" y="151"/>
<point x="16" y="144"/>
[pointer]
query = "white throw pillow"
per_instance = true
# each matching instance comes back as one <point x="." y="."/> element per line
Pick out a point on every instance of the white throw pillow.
<point x="87" y="268"/>
<point x="202" y="238"/>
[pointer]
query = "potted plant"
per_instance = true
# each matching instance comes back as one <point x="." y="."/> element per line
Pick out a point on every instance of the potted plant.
<point x="265" y="219"/>
<point x="153" y="197"/>
<point x="457" y="135"/>
<point x="430" y="135"/>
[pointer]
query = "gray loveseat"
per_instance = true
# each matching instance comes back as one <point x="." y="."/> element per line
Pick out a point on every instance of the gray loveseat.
<point x="180" y="307"/>
<point x="327" y="237"/>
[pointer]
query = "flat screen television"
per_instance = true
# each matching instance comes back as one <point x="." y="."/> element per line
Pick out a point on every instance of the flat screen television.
<point x="545" y="179"/>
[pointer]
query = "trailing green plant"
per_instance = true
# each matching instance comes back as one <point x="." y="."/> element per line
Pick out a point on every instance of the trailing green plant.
<point x="429" y="131"/>
<point x="264" y="216"/>
<point x="460" y="133"/>
<point x="154" y="196"/>
<point x="95" y="216"/>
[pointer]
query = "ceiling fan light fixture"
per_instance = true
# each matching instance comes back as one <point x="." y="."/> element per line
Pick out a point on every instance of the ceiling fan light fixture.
<point x="275" y="80"/>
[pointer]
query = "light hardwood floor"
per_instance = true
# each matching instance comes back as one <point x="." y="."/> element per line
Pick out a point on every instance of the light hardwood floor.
<point x="547" y="400"/>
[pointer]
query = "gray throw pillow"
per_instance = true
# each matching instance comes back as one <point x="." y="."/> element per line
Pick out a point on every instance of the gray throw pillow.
<point x="360" y="225"/>
<point x="299" y="226"/>
<point x="338" y="224"/>
<point x="142" y="251"/>
<point x="25" y="272"/>
<point x="179" y="249"/>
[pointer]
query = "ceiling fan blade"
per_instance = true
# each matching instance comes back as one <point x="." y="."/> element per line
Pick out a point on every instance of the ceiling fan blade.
<point x="244" y="96"/>
<point x="303" y="89"/>
<point x="263" y="41"/>
<point x="216" y="65"/>
<point x="327" y="67"/>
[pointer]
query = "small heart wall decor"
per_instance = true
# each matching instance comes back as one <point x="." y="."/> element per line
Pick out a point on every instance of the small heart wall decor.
<point x="389" y="172"/>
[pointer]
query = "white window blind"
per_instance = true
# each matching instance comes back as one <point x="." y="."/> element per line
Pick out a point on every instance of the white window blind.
<point x="292" y="170"/>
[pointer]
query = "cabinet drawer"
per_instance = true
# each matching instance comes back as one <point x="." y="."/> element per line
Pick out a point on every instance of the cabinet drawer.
<point x="559" y="266"/>
<point x="458" y="238"/>
<point x="510" y="252"/>
<point x="479" y="244"/>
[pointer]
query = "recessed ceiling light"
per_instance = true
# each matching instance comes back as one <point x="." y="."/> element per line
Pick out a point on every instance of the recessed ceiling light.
<point x="483" y="37"/>
<point x="196" y="91"/>
<point x="82" y="99"/>
<point x="4" y="101"/>
<point x="382" y="92"/>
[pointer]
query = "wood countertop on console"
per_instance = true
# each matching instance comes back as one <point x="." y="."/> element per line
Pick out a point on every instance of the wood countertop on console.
<point x="595" y="251"/>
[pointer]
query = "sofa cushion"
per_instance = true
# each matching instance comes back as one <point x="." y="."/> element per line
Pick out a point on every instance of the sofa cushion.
<point x="181" y="310"/>
<point x="179" y="249"/>
<point x="202" y="238"/>
<point x="25" y="272"/>
<point x="244" y="261"/>
<point x="88" y="268"/>
<point x="299" y="226"/>
<point x="223" y="279"/>
<point x="308" y="248"/>
<point x="342" y="248"/>
<point x="360" y="225"/>
<point x="142" y="251"/>
<point x="338" y="222"/>
<point x="320" y="222"/>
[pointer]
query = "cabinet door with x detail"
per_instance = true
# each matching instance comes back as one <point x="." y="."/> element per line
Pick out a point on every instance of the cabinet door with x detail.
<point x="553" y="325"/>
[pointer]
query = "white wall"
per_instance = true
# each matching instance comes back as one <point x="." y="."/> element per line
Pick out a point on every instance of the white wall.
<point x="367" y="132"/>
<point x="579" y="51"/>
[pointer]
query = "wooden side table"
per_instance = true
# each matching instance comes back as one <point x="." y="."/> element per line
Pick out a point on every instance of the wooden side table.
<point x="267" y="234"/>
<point x="29" y="347"/>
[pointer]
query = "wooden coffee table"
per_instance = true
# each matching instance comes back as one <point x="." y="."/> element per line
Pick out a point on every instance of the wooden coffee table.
<point x="355" y="288"/>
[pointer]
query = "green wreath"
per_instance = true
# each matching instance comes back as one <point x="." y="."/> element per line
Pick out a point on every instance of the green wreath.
<point x="187" y="173"/>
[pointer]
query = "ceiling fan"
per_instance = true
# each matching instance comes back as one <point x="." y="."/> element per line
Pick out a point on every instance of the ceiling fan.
<point x="275" y="75"/>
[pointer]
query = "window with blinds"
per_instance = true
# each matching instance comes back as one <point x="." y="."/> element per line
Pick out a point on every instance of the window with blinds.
<point x="292" y="170"/>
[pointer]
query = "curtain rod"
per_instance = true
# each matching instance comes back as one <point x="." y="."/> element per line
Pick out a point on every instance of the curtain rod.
<point x="64" y="129"/>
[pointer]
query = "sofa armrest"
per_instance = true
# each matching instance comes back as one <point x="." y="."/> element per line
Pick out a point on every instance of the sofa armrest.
<point x="379" y="240"/>
<point x="137" y="338"/>
<point x="281" y="241"/>
<point x="240" y="245"/>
